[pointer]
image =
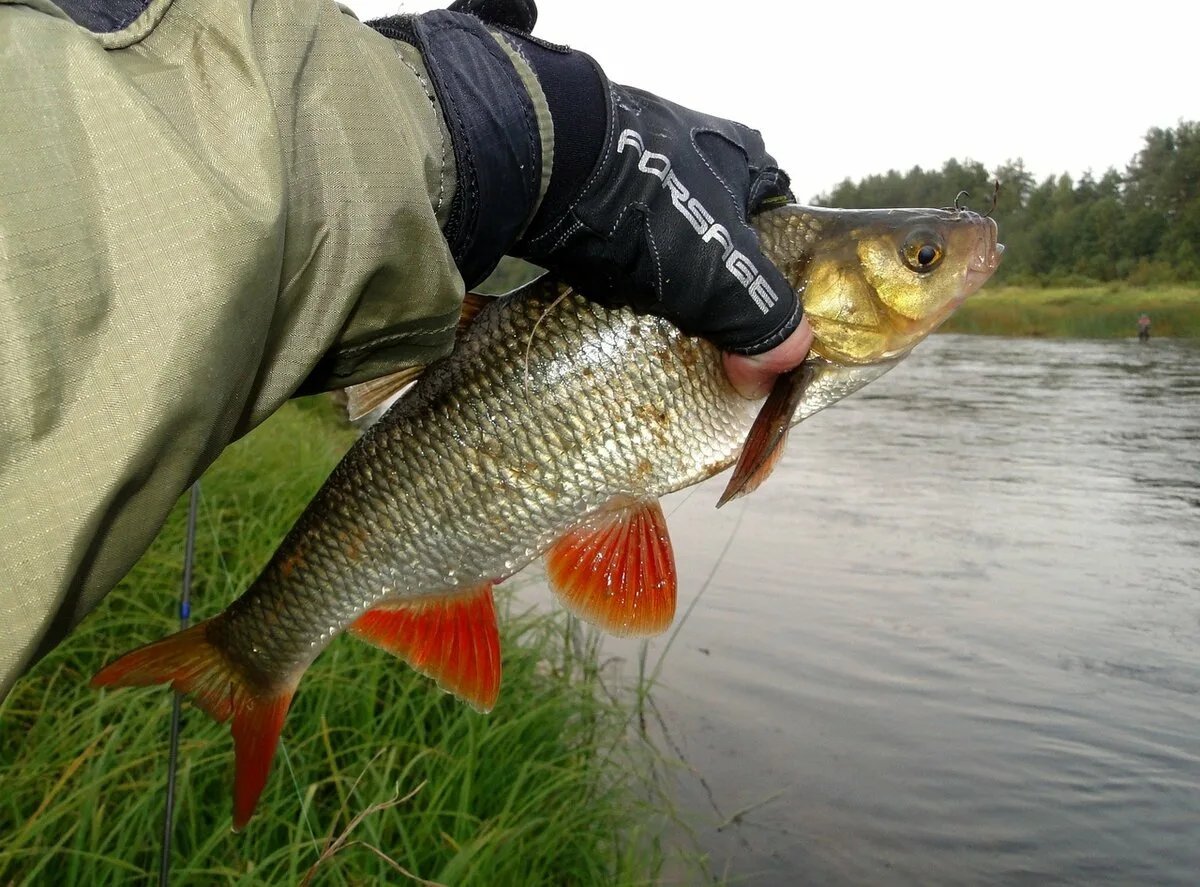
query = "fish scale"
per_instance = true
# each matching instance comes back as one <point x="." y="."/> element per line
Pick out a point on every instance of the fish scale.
<point x="551" y="414"/>
<point x="475" y="487"/>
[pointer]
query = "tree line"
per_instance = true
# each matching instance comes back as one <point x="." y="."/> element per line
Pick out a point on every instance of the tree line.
<point x="1141" y="226"/>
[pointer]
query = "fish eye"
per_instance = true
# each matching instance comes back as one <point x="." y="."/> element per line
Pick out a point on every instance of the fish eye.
<point x="922" y="252"/>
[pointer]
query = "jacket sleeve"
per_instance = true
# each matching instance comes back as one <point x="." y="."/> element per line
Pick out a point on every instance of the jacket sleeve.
<point x="205" y="207"/>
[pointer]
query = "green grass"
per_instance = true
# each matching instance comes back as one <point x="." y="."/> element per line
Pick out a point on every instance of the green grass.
<point x="1096" y="312"/>
<point x="550" y="788"/>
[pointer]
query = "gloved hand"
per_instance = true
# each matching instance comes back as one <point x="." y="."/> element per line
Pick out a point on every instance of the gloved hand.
<point x="647" y="202"/>
<point x="515" y="15"/>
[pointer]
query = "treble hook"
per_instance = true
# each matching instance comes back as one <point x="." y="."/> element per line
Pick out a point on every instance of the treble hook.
<point x="995" y="198"/>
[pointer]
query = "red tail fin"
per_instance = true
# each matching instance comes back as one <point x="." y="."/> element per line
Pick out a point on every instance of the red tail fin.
<point x="192" y="665"/>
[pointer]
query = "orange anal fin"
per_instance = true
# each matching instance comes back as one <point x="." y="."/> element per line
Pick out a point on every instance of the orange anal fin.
<point x="191" y="664"/>
<point x="765" y="443"/>
<point x="617" y="569"/>
<point x="452" y="639"/>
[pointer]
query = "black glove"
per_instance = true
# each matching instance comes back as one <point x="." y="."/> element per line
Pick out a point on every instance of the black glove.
<point x="516" y="15"/>
<point x="647" y="203"/>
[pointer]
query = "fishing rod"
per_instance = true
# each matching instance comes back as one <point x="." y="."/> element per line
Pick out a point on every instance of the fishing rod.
<point x="185" y="613"/>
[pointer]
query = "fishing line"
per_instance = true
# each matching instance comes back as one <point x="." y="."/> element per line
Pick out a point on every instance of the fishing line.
<point x="678" y="505"/>
<point x="533" y="332"/>
<point x="185" y="613"/>
<point x="703" y="588"/>
<point x="287" y="759"/>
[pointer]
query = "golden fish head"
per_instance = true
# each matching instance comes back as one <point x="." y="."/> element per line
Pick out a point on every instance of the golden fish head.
<point x="876" y="282"/>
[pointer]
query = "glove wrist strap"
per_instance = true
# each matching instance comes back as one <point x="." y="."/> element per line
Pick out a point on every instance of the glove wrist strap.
<point x="577" y="94"/>
<point x="493" y="128"/>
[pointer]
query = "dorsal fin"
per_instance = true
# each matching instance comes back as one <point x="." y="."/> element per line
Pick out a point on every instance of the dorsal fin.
<point x="452" y="639"/>
<point x="367" y="396"/>
<point x="617" y="569"/>
<point x="768" y="435"/>
<point x="472" y="304"/>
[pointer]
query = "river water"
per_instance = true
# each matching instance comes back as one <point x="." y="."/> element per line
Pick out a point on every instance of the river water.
<point x="955" y="638"/>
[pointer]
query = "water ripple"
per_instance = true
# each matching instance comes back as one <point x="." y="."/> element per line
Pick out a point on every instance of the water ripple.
<point x="960" y="628"/>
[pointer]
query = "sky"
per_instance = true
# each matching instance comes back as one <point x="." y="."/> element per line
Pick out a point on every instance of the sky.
<point x="848" y="88"/>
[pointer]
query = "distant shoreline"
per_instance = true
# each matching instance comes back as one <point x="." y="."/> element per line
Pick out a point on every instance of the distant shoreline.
<point x="1105" y="311"/>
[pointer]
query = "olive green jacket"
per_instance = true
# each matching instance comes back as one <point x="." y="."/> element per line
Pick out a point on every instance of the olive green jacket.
<point x="201" y="214"/>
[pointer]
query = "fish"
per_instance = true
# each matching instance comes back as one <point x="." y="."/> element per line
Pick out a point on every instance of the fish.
<point x="551" y="430"/>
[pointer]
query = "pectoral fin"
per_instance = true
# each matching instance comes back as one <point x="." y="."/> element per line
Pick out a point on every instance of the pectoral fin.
<point x="617" y="569"/>
<point x="768" y="435"/>
<point x="452" y="639"/>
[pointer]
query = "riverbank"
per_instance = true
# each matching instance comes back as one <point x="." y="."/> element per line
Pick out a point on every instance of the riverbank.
<point x="1098" y="312"/>
<point x="547" y="789"/>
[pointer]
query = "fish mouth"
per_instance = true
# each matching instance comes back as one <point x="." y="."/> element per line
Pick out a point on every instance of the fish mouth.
<point x="985" y="257"/>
